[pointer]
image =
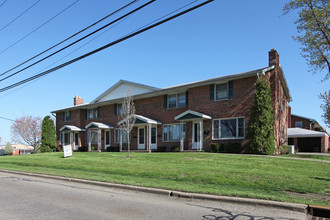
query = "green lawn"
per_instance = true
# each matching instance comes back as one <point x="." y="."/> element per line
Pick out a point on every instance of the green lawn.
<point x="270" y="178"/>
<point x="315" y="157"/>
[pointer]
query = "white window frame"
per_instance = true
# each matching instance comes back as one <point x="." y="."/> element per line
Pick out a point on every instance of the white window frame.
<point x="296" y="124"/>
<point x="176" y="99"/>
<point x="66" y="118"/>
<point x="97" y="138"/>
<point x="117" y="138"/>
<point x="174" y="124"/>
<point x="215" y="91"/>
<point x="94" y="111"/>
<point x="219" y="129"/>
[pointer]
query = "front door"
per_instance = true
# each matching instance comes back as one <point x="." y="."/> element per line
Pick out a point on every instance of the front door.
<point x="106" y="139"/>
<point x="196" y="135"/>
<point x="141" y="138"/>
<point x="153" y="145"/>
<point x="76" y="141"/>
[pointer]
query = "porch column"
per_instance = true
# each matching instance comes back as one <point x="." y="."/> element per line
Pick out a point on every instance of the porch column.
<point x="181" y="136"/>
<point x="121" y="140"/>
<point x="200" y="134"/>
<point x="149" y="137"/>
<point x="71" y="140"/>
<point x="89" y="140"/>
<point x="99" y="139"/>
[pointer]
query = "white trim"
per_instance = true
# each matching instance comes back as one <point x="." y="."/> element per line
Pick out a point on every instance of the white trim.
<point x="142" y="118"/>
<point x="99" y="125"/>
<point x="153" y="146"/>
<point x="194" y="113"/>
<point x="181" y="131"/>
<point x="141" y="146"/>
<point x="105" y="139"/>
<point x="71" y="128"/>
<point x="228" y="138"/>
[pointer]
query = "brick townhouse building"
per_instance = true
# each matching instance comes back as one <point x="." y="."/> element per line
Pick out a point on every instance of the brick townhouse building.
<point x="191" y="115"/>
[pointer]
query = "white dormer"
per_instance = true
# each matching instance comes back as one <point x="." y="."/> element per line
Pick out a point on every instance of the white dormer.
<point x="119" y="90"/>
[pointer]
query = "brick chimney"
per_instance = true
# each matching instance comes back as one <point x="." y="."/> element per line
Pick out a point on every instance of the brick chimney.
<point x="289" y="117"/>
<point x="274" y="58"/>
<point x="78" y="100"/>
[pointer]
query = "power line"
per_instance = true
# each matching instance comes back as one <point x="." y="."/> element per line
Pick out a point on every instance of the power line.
<point x="39" y="26"/>
<point x="102" y="48"/>
<point x="63" y="48"/>
<point x="3" y="3"/>
<point x="8" y="119"/>
<point x="19" y="14"/>
<point x="64" y="58"/>
<point x="112" y="13"/>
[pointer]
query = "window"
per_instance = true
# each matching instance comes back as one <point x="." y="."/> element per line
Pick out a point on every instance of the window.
<point x="119" y="108"/>
<point x="94" y="137"/>
<point x="228" y="128"/>
<point x="93" y="113"/>
<point x="66" y="138"/>
<point x="176" y="100"/>
<point x="298" y="124"/>
<point x="67" y="116"/>
<point x="120" y="133"/>
<point x="173" y="133"/>
<point x="221" y="91"/>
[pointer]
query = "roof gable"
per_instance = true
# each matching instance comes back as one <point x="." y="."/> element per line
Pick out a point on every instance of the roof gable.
<point x="119" y="90"/>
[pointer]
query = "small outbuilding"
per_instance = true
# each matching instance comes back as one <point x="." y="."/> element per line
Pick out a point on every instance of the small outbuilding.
<point x="306" y="140"/>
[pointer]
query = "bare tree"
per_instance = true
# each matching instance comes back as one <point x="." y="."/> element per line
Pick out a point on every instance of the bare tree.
<point x="127" y="117"/>
<point x="27" y="130"/>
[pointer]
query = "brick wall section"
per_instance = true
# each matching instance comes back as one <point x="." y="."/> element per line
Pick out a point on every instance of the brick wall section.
<point x="306" y="124"/>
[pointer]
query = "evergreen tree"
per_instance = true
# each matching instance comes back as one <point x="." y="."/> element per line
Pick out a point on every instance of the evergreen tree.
<point x="48" y="135"/>
<point x="9" y="148"/>
<point x="260" y="131"/>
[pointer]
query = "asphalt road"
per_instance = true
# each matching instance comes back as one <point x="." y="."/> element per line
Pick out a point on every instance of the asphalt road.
<point x="24" y="197"/>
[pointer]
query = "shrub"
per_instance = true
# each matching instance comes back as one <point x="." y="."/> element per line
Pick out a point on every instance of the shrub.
<point x="83" y="149"/>
<point x="175" y="149"/>
<point x="92" y="148"/>
<point x="285" y="149"/>
<point x="162" y="148"/>
<point x="235" y="148"/>
<point x="113" y="149"/>
<point x="222" y="148"/>
<point x="45" y="149"/>
<point x="260" y="131"/>
<point x="9" y="148"/>
<point x="215" y="147"/>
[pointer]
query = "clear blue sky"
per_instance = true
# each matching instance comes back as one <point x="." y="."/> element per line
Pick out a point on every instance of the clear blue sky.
<point x="224" y="37"/>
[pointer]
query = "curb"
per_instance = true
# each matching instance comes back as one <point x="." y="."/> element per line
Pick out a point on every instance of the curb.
<point x="267" y="203"/>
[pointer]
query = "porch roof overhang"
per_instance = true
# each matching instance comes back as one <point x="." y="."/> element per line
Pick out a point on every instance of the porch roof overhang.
<point x="99" y="125"/>
<point x="142" y="120"/>
<point x="304" y="133"/>
<point x="71" y="128"/>
<point x="190" y="115"/>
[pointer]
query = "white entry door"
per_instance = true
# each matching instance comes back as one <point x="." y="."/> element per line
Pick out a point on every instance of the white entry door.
<point x="141" y="138"/>
<point x="76" y="140"/>
<point x="196" y="135"/>
<point x="153" y="135"/>
<point x="107" y="142"/>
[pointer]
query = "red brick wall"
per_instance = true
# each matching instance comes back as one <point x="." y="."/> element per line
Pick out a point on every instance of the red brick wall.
<point x="305" y="122"/>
